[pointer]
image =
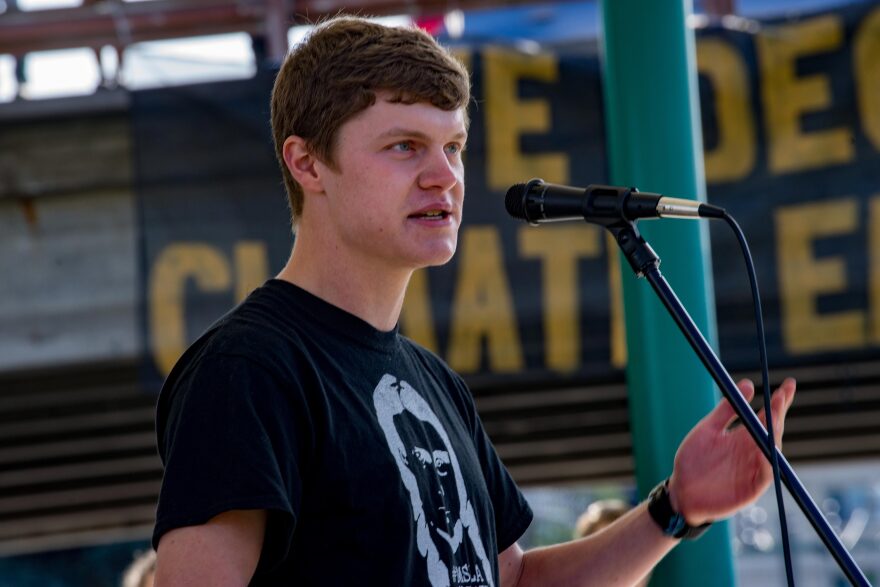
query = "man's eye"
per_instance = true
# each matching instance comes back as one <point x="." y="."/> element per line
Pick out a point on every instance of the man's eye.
<point x="453" y="148"/>
<point x="402" y="147"/>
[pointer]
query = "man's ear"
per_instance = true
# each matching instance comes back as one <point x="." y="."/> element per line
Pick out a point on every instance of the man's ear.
<point x="302" y="164"/>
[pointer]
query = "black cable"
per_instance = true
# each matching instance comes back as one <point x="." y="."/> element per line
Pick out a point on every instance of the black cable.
<point x="765" y="381"/>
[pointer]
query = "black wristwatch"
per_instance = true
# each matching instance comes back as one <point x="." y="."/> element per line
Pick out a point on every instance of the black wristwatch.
<point x="670" y="521"/>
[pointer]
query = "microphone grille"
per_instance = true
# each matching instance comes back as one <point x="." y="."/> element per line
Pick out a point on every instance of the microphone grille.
<point x="514" y="201"/>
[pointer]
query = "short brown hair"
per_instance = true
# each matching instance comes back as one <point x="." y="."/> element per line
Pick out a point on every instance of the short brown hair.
<point x="335" y="74"/>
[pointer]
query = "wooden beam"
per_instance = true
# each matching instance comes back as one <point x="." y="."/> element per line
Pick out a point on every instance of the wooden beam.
<point x="121" y="24"/>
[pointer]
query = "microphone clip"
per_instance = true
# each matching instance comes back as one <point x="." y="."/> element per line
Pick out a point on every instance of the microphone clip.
<point x="635" y="248"/>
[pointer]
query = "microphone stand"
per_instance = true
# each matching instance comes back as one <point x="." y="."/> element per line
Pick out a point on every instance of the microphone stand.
<point x="645" y="262"/>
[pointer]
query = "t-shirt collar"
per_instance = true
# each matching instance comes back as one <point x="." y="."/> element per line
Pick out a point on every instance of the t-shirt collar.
<point x="340" y="321"/>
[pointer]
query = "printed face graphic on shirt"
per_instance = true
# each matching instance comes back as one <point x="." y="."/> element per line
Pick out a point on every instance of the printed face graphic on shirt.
<point x="442" y="513"/>
<point x="429" y="460"/>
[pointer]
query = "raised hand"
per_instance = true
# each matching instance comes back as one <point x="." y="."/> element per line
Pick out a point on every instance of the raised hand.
<point x="718" y="468"/>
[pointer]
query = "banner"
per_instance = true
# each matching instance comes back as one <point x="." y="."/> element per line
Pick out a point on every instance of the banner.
<point x="791" y="125"/>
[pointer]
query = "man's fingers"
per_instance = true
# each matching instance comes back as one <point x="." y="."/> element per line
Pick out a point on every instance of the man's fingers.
<point x="782" y="399"/>
<point x="780" y="402"/>
<point x="747" y="388"/>
<point x="723" y="414"/>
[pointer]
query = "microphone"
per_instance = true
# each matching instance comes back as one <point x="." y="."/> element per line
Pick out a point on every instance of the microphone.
<point x="538" y="202"/>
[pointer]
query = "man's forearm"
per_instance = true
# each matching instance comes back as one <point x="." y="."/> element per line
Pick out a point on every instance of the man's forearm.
<point x="621" y="554"/>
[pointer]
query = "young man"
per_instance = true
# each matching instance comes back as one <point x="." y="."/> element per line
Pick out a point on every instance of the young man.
<point x="306" y="442"/>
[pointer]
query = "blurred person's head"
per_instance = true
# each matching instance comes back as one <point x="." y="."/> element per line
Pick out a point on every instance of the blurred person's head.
<point x="142" y="571"/>
<point x="336" y="73"/>
<point x="598" y="515"/>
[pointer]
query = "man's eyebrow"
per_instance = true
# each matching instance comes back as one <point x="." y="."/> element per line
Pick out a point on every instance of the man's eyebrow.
<point x="400" y="131"/>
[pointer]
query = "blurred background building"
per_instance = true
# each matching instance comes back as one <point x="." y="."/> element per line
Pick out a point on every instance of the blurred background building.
<point x="140" y="200"/>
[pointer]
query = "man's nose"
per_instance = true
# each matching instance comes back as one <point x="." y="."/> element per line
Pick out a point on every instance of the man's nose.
<point x="441" y="172"/>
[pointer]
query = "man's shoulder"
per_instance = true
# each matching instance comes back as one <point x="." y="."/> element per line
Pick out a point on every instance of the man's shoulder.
<point x="244" y="332"/>
<point x="247" y="336"/>
<point x="247" y="332"/>
<point x="236" y="353"/>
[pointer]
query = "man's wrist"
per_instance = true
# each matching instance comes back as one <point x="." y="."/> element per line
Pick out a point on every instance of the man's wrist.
<point x="664" y="510"/>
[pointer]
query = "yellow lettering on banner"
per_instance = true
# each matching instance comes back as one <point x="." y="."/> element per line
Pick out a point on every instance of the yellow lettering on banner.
<point x="787" y="97"/>
<point x="615" y="297"/>
<point x="560" y="249"/>
<point x="734" y="156"/>
<point x="415" y="317"/>
<point x="175" y="265"/>
<point x="802" y="277"/>
<point x="874" y="267"/>
<point x="508" y="117"/>
<point x="866" y="55"/>
<point x="251" y="267"/>
<point x="483" y="307"/>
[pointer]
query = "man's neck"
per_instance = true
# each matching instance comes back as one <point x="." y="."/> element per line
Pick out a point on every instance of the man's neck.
<point x="375" y="297"/>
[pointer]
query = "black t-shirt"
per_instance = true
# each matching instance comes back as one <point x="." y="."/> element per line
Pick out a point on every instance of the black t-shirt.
<point x="365" y="448"/>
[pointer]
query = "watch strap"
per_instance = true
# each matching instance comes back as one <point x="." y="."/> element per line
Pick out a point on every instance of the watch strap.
<point x="671" y="522"/>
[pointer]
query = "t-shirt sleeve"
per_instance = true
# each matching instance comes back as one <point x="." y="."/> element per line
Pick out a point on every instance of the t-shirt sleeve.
<point x="512" y="512"/>
<point x="233" y="437"/>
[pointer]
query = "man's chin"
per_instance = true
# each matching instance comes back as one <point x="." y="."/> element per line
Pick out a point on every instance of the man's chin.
<point x="441" y="257"/>
<point x="437" y="261"/>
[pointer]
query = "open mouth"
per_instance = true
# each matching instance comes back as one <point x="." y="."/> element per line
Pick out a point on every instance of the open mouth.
<point x="431" y="215"/>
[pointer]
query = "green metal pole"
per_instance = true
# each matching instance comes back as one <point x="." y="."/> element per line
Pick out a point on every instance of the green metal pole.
<point x="655" y="144"/>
